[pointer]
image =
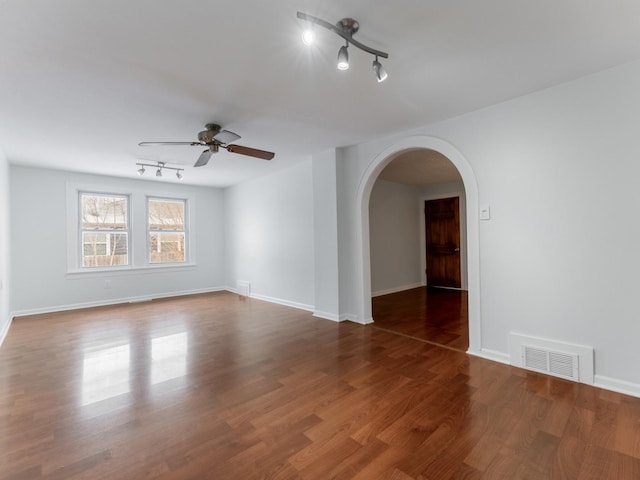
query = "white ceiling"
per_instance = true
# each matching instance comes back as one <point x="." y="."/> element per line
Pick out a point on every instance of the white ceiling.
<point x="82" y="82"/>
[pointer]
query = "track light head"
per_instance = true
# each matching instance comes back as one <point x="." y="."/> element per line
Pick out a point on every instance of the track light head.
<point x="379" y="71"/>
<point x="308" y="36"/>
<point x="179" y="174"/>
<point x="343" y="57"/>
<point x="141" y="170"/>
<point x="159" y="172"/>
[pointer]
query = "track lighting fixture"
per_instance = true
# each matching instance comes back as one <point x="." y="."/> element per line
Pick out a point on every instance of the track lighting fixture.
<point x="160" y="166"/>
<point x="378" y="69"/>
<point x="346" y="28"/>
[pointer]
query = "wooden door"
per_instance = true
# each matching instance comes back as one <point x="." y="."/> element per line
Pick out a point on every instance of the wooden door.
<point x="442" y="223"/>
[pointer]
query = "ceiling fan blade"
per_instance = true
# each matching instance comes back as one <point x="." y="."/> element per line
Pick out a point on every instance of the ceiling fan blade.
<point x="203" y="159"/>
<point x="225" y="136"/>
<point x="252" y="152"/>
<point x="160" y="144"/>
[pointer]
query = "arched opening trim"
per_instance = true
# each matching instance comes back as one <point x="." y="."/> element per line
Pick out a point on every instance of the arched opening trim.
<point x="473" y="242"/>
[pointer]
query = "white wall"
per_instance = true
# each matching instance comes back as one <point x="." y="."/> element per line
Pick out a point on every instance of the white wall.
<point x="270" y="236"/>
<point x="325" y="228"/>
<point x="41" y="279"/>
<point x="394" y="236"/>
<point x="5" y="230"/>
<point x="558" y="259"/>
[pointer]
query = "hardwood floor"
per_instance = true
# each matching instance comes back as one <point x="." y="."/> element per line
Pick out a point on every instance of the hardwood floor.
<point x="218" y="387"/>
<point x="434" y="315"/>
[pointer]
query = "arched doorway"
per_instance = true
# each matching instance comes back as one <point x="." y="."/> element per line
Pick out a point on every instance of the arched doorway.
<point x="473" y="251"/>
<point x="418" y="254"/>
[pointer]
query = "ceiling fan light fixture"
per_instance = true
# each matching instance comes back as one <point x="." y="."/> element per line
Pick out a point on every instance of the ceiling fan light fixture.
<point x="343" y="58"/>
<point x="379" y="71"/>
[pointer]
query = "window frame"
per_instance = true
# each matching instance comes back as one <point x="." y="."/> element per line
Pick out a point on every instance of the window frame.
<point x="184" y="231"/>
<point x="82" y="231"/>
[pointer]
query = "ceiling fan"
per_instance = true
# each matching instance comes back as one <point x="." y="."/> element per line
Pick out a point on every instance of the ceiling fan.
<point x="213" y="138"/>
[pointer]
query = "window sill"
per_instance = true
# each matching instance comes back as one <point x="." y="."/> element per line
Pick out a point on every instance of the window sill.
<point x="119" y="271"/>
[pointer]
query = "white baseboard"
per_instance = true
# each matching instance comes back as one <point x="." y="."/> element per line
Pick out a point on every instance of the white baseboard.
<point x="309" y="308"/>
<point x="397" y="289"/>
<point x="354" y="318"/>
<point x="488" y="354"/>
<point x="5" y="330"/>
<point x="280" y="301"/>
<point x="600" y="381"/>
<point x="617" y="385"/>
<point x="327" y="316"/>
<point x="113" y="301"/>
<point x="345" y="317"/>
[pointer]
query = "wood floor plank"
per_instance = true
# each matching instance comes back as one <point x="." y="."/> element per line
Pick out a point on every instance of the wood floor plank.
<point x="217" y="386"/>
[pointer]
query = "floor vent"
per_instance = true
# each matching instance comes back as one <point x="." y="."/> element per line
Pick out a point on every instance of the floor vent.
<point x="555" y="363"/>
<point x="560" y="359"/>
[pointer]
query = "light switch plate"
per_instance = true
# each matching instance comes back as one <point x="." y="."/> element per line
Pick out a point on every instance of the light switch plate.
<point x="485" y="212"/>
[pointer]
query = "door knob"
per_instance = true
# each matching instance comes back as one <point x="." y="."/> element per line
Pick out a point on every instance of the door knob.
<point x="456" y="249"/>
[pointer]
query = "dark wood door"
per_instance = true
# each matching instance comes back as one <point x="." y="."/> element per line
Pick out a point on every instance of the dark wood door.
<point x="442" y="223"/>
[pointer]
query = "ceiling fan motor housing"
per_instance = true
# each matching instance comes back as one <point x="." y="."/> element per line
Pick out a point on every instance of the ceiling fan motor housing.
<point x="206" y="136"/>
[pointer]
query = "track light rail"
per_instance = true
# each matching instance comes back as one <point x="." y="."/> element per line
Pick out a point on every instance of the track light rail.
<point x="160" y="166"/>
<point x="345" y="30"/>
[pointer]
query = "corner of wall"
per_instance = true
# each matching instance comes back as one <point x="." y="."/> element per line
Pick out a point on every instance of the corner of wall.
<point x="5" y="248"/>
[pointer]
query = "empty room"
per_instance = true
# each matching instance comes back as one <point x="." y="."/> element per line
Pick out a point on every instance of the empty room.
<point x="319" y="240"/>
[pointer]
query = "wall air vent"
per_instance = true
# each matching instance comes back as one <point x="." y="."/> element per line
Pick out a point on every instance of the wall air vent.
<point x="557" y="358"/>
<point x="554" y="363"/>
<point x="243" y="288"/>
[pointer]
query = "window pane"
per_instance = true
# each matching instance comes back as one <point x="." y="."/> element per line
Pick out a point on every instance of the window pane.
<point x="103" y="212"/>
<point x="119" y="243"/>
<point x="104" y="249"/>
<point x="166" y="247"/>
<point x="166" y="214"/>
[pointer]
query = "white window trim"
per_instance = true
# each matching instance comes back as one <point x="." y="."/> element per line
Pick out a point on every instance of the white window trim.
<point x="138" y="258"/>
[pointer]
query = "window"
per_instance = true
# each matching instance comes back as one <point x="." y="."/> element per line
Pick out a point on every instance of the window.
<point x="115" y="231"/>
<point x="167" y="232"/>
<point x="104" y="230"/>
